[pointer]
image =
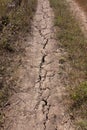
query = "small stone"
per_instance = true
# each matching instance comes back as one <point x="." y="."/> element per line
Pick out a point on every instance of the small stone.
<point x="46" y="94"/>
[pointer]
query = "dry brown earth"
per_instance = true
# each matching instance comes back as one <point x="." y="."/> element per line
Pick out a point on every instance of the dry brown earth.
<point x="38" y="103"/>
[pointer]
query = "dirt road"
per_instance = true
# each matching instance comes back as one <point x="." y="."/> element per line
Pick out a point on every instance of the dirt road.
<point x="39" y="102"/>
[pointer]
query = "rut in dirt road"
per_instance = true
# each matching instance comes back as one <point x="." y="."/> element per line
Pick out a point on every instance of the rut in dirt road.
<point x="38" y="104"/>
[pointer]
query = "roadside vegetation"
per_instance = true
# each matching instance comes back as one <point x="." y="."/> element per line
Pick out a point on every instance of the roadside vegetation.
<point x="72" y="39"/>
<point x="15" y="22"/>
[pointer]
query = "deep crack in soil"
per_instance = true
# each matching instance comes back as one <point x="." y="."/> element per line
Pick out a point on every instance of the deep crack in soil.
<point x="38" y="104"/>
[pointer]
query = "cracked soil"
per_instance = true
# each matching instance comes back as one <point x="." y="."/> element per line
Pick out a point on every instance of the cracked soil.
<point x="39" y="102"/>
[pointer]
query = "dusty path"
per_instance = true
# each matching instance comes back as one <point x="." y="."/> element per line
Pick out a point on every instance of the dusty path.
<point x="38" y="104"/>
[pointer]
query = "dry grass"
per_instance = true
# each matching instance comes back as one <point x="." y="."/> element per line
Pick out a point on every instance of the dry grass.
<point x="3" y="6"/>
<point x="72" y="39"/>
<point x="14" y="25"/>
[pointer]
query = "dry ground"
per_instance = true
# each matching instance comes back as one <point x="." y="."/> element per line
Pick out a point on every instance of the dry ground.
<point x="38" y="102"/>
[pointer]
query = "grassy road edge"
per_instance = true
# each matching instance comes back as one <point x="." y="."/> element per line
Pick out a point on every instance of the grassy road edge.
<point x="15" y="26"/>
<point x="72" y="39"/>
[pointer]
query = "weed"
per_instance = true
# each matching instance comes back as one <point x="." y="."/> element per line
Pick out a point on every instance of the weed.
<point x="79" y="95"/>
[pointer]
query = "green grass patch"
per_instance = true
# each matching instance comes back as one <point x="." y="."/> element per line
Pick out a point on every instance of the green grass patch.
<point x="80" y="94"/>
